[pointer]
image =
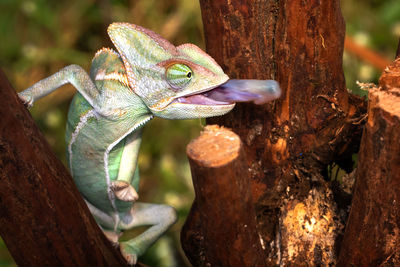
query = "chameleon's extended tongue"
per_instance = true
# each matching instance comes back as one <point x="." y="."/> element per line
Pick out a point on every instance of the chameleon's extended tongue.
<point x="258" y="91"/>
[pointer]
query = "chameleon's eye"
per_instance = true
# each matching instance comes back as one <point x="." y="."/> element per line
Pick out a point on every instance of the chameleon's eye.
<point x="179" y="75"/>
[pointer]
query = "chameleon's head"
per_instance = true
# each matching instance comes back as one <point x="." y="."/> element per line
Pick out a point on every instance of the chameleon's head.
<point x="170" y="80"/>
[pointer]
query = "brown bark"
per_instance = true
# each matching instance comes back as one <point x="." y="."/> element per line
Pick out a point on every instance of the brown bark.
<point x="372" y="236"/>
<point x="288" y="144"/>
<point x="43" y="219"/>
<point x="217" y="162"/>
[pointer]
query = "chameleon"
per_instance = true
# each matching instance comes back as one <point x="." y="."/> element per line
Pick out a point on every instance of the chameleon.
<point x="146" y="76"/>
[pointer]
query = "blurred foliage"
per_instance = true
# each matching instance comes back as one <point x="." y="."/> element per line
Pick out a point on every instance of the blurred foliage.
<point x="42" y="36"/>
<point x="374" y="24"/>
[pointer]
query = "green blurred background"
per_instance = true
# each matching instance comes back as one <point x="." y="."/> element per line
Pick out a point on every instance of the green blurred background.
<point x="42" y="36"/>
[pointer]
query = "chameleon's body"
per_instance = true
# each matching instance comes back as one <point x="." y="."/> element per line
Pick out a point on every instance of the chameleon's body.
<point x="85" y="154"/>
<point x="147" y="77"/>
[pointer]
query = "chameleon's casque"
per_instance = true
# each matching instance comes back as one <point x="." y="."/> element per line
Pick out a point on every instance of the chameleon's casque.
<point x="146" y="76"/>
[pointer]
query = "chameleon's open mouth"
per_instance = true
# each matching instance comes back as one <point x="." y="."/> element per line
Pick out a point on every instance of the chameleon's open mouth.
<point x="200" y="99"/>
<point x="258" y="91"/>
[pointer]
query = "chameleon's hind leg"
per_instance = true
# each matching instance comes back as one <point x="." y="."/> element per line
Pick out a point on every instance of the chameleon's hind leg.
<point x="105" y="221"/>
<point x="159" y="217"/>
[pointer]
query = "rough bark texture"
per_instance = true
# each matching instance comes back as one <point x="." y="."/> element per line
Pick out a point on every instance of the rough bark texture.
<point x="289" y="144"/>
<point x="372" y="236"/>
<point x="43" y="219"/>
<point x="217" y="162"/>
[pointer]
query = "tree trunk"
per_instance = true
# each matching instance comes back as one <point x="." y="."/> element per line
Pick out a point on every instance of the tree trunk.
<point x="372" y="236"/>
<point x="43" y="219"/>
<point x="289" y="143"/>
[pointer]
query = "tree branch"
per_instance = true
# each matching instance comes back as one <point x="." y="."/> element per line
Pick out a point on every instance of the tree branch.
<point x="43" y="219"/>
<point x="365" y="54"/>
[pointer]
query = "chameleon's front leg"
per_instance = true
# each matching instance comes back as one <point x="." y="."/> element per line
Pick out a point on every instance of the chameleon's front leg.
<point x="73" y="74"/>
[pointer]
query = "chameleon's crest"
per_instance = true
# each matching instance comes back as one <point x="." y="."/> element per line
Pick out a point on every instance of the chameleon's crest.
<point x="195" y="53"/>
<point x="105" y="50"/>
<point x="140" y="46"/>
<point x="141" y="50"/>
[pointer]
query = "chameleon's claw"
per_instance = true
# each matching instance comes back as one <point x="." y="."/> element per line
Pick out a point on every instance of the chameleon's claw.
<point x="124" y="191"/>
<point x="131" y="259"/>
<point x="28" y="101"/>
<point x="128" y="253"/>
<point x="112" y="237"/>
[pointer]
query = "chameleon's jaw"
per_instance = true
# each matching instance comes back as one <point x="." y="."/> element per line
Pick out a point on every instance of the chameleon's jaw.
<point x="194" y="106"/>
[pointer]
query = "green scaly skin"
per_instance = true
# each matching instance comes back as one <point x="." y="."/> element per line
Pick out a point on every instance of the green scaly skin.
<point x="146" y="77"/>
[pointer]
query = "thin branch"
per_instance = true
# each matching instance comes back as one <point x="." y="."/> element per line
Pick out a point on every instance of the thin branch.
<point x="366" y="54"/>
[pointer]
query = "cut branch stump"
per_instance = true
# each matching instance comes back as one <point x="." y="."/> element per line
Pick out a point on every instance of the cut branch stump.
<point x="221" y="183"/>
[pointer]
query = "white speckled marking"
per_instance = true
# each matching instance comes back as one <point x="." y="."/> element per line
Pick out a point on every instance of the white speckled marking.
<point x="74" y="135"/>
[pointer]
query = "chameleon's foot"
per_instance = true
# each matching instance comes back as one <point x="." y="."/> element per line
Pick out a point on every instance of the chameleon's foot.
<point x="129" y="253"/>
<point x="124" y="191"/>
<point x="158" y="217"/>
<point x="113" y="237"/>
<point x="27" y="100"/>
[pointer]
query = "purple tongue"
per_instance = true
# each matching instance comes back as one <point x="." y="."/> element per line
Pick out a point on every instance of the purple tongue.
<point x="258" y="91"/>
